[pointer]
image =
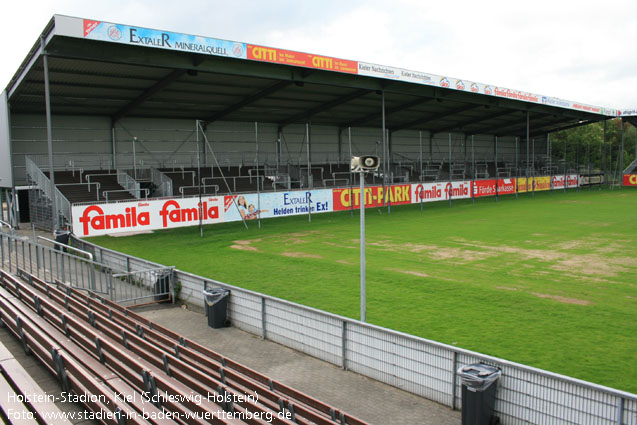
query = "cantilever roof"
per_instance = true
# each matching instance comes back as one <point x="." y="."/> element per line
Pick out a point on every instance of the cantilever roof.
<point x="107" y="69"/>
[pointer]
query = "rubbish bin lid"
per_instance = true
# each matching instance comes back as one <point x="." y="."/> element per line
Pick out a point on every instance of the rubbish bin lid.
<point x="215" y="291"/>
<point x="478" y="375"/>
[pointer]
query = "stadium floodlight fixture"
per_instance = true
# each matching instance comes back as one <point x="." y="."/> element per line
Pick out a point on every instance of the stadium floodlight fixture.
<point x="362" y="165"/>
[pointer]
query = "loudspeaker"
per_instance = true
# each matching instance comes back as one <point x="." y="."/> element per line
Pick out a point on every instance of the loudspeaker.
<point x="365" y="163"/>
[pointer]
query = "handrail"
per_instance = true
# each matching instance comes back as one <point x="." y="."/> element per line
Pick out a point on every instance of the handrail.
<point x="90" y="256"/>
<point x="215" y="186"/>
<point x="128" y="183"/>
<point x="106" y="192"/>
<point x="4" y="223"/>
<point x="44" y="184"/>
<point x="81" y="184"/>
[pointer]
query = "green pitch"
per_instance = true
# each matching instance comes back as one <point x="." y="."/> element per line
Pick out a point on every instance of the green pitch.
<point x="550" y="282"/>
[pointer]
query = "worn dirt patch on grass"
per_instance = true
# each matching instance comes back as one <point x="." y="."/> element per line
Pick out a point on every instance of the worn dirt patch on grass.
<point x="562" y="299"/>
<point x="246" y="242"/>
<point x="300" y="255"/>
<point x="244" y="247"/>
<point x="409" y="272"/>
<point x="347" y="263"/>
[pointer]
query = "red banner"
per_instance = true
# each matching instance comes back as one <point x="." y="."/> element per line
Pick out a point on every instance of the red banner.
<point x="630" y="179"/>
<point x="506" y="186"/>
<point x="374" y="197"/>
<point x="487" y="187"/>
<point x="306" y="60"/>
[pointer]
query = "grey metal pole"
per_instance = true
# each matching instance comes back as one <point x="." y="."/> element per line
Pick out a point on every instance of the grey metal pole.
<point x="363" y="284"/>
<point x="450" y="160"/>
<point x="309" y="172"/>
<point x="382" y="109"/>
<point x="256" y="140"/>
<point x="351" y="180"/>
<point x="114" y="147"/>
<point x="565" y="170"/>
<point x="198" y="179"/>
<point x="420" y="141"/>
<point x="517" y="169"/>
<point x="527" y="151"/>
<point x="391" y="175"/>
<point x="588" y="154"/>
<point x="620" y="168"/>
<point x="549" y="154"/>
<point x="496" y="169"/>
<point x="533" y="167"/>
<point x="473" y="166"/>
<point x="135" y="160"/>
<point x="577" y="164"/>
<point x="49" y="136"/>
<point x="602" y="157"/>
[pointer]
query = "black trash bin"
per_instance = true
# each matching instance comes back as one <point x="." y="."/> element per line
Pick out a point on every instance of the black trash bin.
<point x="162" y="288"/>
<point x="61" y="236"/>
<point x="479" y="382"/>
<point x="216" y="303"/>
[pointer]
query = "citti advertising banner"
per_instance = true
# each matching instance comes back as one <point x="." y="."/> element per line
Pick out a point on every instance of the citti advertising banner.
<point x="122" y="217"/>
<point x="375" y="196"/>
<point x="630" y="180"/>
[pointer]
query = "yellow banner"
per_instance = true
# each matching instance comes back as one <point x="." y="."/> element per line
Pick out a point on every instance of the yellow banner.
<point x="535" y="184"/>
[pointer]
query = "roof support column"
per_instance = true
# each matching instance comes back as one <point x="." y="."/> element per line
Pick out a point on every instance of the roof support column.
<point x="620" y="168"/>
<point x="49" y="136"/>
<point x="256" y="160"/>
<point x="473" y="167"/>
<point x="495" y="148"/>
<point x="309" y="172"/>
<point x="528" y="131"/>
<point x="517" y="168"/>
<point x="386" y="165"/>
<point x="602" y="155"/>
<point x="278" y="149"/>
<point x="450" y="161"/>
<point x="113" y="146"/>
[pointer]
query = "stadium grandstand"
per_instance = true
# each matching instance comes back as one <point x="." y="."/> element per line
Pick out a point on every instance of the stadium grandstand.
<point x="109" y="128"/>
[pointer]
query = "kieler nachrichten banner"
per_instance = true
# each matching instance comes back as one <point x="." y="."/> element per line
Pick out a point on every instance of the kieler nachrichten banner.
<point x="136" y="216"/>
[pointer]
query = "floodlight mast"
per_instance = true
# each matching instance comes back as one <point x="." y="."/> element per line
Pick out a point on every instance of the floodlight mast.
<point x="362" y="165"/>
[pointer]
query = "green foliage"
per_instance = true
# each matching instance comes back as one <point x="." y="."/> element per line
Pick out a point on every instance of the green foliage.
<point x="580" y="144"/>
<point x="548" y="281"/>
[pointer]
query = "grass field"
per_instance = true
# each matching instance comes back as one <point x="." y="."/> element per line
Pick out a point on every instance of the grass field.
<point x="549" y="282"/>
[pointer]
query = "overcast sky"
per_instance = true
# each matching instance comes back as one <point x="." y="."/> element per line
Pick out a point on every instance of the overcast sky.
<point x="582" y="50"/>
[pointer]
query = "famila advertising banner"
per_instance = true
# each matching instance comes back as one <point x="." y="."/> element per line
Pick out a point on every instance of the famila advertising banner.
<point x="135" y="216"/>
<point x="122" y="217"/>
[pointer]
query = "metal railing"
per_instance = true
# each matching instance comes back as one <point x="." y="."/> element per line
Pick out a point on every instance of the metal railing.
<point x="526" y="395"/>
<point x="139" y="192"/>
<point x="43" y="183"/>
<point x="129" y="184"/>
<point x="54" y="265"/>
<point x="163" y="183"/>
